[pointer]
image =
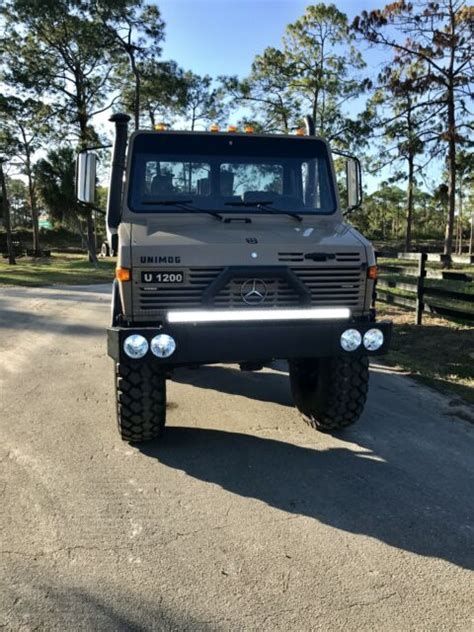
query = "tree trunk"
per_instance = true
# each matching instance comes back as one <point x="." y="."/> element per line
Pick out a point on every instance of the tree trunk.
<point x="409" y="214"/>
<point x="91" y="238"/>
<point x="33" y="208"/>
<point x="31" y="190"/>
<point x="6" y="217"/>
<point x="460" y="216"/>
<point x="83" y="131"/>
<point x="448" y="242"/>
<point x="136" y="96"/>
<point x="151" y="114"/>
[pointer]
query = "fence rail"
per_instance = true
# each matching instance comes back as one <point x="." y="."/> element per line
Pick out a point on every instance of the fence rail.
<point x="423" y="298"/>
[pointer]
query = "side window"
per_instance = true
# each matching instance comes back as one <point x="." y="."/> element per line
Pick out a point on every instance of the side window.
<point x="311" y="183"/>
<point x="316" y="182"/>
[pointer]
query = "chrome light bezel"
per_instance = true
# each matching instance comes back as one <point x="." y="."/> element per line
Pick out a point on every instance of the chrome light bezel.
<point x="135" y="346"/>
<point x="157" y="344"/>
<point x="373" y="339"/>
<point x="351" y="340"/>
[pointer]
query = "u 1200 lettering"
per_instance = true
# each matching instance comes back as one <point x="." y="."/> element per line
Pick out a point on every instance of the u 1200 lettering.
<point x="175" y="276"/>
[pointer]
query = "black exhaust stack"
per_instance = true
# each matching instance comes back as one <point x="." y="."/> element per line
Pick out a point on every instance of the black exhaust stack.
<point x="114" y="199"/>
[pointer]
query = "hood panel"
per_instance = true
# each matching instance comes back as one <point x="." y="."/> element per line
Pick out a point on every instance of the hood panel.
<point x="235" y="243"/>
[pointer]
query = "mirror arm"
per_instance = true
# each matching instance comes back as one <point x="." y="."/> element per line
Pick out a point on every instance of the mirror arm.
<point x="90" y="207"/>
<point x="86" y="149"/>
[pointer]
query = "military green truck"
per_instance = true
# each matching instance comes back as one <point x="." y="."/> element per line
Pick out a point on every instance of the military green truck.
<point x="233" y="248"/>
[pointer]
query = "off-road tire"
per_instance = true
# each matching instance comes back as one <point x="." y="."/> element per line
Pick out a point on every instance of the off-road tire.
<point x="141" y="401"/>
<point x="330" y="393"/>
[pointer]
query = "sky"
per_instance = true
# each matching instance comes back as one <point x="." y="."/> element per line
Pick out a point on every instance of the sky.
<point x="221" y="37"/>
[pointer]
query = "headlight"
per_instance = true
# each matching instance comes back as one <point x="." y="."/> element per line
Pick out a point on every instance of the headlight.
<point x="373" y="339"/>
<point x="135" y="346"/>
<point x="351" y="340"/>
<point x="163" y="346"/>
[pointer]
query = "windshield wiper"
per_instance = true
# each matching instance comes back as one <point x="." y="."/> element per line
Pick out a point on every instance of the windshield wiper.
<point x="265" y="204"/>
<point x="183" y="204"/>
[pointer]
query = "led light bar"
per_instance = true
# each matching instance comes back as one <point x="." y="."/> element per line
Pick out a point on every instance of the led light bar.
<point x="237" y="315"/>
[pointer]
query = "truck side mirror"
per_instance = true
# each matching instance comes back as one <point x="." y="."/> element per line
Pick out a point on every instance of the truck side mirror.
<point x="353" y="183"/>
<point x="86" y="168"/>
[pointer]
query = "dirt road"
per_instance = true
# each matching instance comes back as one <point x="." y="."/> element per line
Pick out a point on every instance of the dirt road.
<point x="242" y="519"/>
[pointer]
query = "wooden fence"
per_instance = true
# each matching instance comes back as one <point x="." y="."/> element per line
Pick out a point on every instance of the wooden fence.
<point x="417" y="295"/>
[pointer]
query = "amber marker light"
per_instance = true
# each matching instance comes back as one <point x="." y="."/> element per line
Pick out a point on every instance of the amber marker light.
<point x="232" y="128"/>
<point x="372" y="272"/>
<point x="122" y="274"/>
<point x="300" y="131"/>
<point x="248" y="129"/>
<point x="214" y="127"/>
<point x="160" y="127"/>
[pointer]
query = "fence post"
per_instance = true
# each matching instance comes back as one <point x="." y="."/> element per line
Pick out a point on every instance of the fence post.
<point x="420" y="287"/>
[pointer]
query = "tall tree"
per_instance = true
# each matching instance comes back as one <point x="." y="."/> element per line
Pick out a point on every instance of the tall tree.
<point x="440" y="34"/>
<point x="55" y="183"/>
<point x="135" y="30"/>
<point x="57" y="48"/>
<point x="203" y="102"/>
<point x="24" y="125"/>
<point x="266" y="92"/>
<point x="324" y="67"/>
<point x="316" y="71"/>
<point x="405" y="129"/>
<point x="19" y="203"/>
<point x="162" y="92"/>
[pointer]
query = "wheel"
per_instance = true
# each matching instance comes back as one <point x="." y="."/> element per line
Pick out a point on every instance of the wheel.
<point x="141" y="401"/>
<point x="105" y="249"/>
<point x="330" y="393"/>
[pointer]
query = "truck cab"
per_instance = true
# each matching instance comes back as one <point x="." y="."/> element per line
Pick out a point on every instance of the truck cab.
<point x="233" y="248"/>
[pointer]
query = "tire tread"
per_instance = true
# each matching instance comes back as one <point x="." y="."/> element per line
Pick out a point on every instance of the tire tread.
<point x="330" y="393"/>
<point x="141" y="402"/>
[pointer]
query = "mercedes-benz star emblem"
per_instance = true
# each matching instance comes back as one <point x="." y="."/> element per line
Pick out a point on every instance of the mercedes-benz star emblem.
<point x="253" y="291"/>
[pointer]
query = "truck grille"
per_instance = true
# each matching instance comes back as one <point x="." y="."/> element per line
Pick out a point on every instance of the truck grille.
<point x="339" y="257"/>
<point x="331" y="284"/>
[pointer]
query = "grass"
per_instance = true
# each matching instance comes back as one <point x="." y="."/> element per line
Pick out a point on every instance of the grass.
<point x="67" y="269"/>
<point x="440" y="353"/>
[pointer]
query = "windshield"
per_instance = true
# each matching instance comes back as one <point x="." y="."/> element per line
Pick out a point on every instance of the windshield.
<point x="230" y="174"/>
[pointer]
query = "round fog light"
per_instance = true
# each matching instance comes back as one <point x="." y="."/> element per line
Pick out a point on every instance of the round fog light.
<point x="135" y="346"/>
<point x="350" y="339"/>
<point x="373" y="339"/>
<point x="163" y="346"/>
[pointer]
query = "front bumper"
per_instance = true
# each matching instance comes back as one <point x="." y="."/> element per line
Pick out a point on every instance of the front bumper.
<point x="211" y="343"/>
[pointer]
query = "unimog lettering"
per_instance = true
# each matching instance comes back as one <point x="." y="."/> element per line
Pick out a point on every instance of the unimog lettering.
<point x="306" y="299"/>
<point x="161" y="259"/>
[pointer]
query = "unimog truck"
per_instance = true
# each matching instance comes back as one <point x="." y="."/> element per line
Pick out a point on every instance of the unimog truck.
<point x="232" y="247"/>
